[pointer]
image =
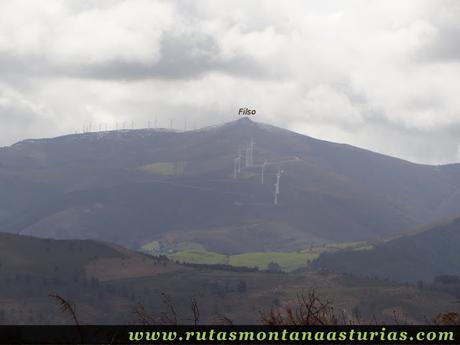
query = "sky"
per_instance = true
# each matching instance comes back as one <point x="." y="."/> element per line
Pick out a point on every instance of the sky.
<point x="382" y="75"/>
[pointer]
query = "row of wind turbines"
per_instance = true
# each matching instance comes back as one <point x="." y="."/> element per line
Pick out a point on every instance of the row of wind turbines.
<point x="89" y="128"/>
<point x="247" y="153"/>
<point x="249" y="162"/>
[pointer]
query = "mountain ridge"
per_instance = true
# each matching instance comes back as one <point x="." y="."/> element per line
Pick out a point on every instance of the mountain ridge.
<point x="242" y="121"/>
<point x="167" y="185"/>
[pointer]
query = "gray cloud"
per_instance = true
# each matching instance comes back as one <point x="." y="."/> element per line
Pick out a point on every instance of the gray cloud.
<point x="441" y="44"/>
<point x="20" y="118"/>
<point x="181" y="58"/>
<point x="381" y="75"/>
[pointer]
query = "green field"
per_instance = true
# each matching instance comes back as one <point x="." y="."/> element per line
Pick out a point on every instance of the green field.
<point x="195" y="253"/>
<point x="198" y="257"/>
<point x="160" y="168"/>
<point x="349" y="245"/>
<point x="288" y="261"/>
<point x="151" y="247"/>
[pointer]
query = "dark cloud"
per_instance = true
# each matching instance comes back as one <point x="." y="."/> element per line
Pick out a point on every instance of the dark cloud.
<point x="442" y="48"/>
<point x="180" y="58"/>
<point x="441" y="41"/>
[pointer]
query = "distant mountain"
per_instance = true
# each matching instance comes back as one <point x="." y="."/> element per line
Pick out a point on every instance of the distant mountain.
<point x="135" y="186"/>
<point x="410" y="258"/>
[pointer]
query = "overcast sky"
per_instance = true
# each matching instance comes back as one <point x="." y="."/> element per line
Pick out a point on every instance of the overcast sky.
<point x="383" y="75"/>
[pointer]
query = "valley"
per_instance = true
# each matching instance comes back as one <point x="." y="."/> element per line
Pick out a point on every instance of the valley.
<point x="108" y="284"/>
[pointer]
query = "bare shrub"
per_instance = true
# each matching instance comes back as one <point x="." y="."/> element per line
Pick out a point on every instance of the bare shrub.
<point x="66" y="307"/>
<point x="447" y="319"/>
<point x="308" y="310"/>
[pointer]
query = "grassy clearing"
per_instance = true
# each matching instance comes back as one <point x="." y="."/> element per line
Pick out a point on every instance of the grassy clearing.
<point x="191" y="252"/>
<point x="160" y="168"/>
<point x="190" y="246"/>
<point x="199" y="257"/>
<point x="151" y="246"/>
<point x="359" y="245"/>
<point x="288" y="261"/>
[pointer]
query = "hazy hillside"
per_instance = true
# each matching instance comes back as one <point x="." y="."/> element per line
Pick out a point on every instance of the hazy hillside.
<point x="421" y="256"/>
<point x="32" y="269"/>
<point x="45" y="258"/>
<point x="133" y="187"/>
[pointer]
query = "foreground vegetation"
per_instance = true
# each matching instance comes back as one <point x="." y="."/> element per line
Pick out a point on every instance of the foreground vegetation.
<point x="308" y="309"/>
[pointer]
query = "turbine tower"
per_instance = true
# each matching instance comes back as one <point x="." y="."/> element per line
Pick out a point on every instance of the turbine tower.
<point x="262" y="172"/>
<point x="277" y="185"/>
<point x="251" y="152"/>
<point x="235" y="168"/>
<point x="237" y="165"/>
<point x="246" y="156"/>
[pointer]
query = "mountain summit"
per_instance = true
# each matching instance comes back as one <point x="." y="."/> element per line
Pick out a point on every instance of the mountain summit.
<point x="205" y="186"/>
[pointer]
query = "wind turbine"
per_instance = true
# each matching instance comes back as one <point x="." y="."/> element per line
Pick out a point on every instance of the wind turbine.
<point x="277" y="185"/>
<point x="251" y="152"/>
<point x="235" y="168"/>
<point x="237" y="164"/>
<point x="262" y="172"/>
<point x="246" y="156"/>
